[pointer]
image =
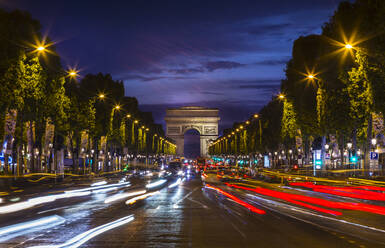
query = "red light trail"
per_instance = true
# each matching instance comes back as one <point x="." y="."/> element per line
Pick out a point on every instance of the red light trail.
<point x="237" y="200"/>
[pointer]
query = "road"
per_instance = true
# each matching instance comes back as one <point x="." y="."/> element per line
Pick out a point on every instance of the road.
<point x="187" y="215"/>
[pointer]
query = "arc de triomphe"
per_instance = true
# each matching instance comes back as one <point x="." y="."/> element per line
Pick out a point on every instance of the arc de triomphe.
<point x="180" y="120"/>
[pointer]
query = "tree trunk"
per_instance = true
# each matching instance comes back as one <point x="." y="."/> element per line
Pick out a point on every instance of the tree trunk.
<point x="341" y="146"/>
<point x="32" y="155"/>
<point x="367" y="148"/>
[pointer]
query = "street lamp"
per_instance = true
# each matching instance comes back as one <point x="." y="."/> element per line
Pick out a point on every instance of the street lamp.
<point x="349" y="145"/>
<point x="326" y="147"/>
<point x="310" y="76"/>
<point x="256" y="116"/>
<point x="348" y="46"/>
<point x="374" y="141"/>
<point x="40" y="48"/>
<point x="117" y="107"/>
<point x="72" y="73"/>
<point x="281" y="96"/>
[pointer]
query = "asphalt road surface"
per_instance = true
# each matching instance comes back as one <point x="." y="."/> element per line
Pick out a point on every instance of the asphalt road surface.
<point x="186" y="215"/>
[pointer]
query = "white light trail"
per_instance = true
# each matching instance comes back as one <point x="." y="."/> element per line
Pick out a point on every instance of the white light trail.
<point x="126" y="184"/>
<point x="104" y="190"/>
<point x="67" y="194"/>
<point x="123" y="195"/>
<point x="82" y="238"/>
<point x="133" y="200"/>
<point x="156" y="184"/>
<point x="175" y="184"/>
<point x="30" y="224"/>
<point x="99" y="183"/>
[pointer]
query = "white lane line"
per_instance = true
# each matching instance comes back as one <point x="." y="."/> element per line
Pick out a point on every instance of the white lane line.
<point x="175" y="205"/>
<point x="50" y="210"/>
<point x="203" y="205"/>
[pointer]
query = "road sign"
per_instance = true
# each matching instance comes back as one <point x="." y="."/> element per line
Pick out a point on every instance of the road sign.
<point x="373" y="155"/>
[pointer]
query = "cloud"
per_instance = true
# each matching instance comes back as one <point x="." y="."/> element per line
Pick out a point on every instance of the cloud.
<point x="213" y="93"/>
<point x="259" y="86"/>
<point x="258" y="81"/>
<point x="272" y="62"/>
<point x="216" y="65"/>
<point x="268" y="29"/>
<point x="208" y="67"/>
<point x="187" y="70"/>
<point x="151" y="78"/>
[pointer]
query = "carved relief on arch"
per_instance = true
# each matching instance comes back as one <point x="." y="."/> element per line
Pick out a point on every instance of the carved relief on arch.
<point x="213" y="130"/>
<point x="196" y="127"/>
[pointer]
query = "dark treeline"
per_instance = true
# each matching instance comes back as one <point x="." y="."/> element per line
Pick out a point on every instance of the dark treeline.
<point x="46" y="109"/>
<point x="332" y="96"/>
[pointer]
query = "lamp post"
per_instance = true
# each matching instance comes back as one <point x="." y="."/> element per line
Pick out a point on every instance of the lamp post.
<point x="256" y="116"/>
<point x="349" y="145"/>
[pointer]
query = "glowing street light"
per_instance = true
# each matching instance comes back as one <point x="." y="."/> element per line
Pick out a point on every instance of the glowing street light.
<point x="374" y="142"/>
<point x="348" y="46"/>
<point x="102" y="96"/>
<point x="128" y="116"/>
<point x="281" y="96"/>
<point x="72" y="73"/>
<point x="117" y="107"/>
<point x="310" y="76"/>
<point x="40" y="48"/>
<point x="256" y="116"/>
<point x="349" y="145"/>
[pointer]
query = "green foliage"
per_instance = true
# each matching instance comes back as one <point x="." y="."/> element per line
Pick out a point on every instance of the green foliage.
<point x="289" y="121"/>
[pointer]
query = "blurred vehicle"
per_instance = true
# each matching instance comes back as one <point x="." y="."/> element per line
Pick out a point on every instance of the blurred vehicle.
<point x="201" y="163"/>
<point x="175" y="167"/>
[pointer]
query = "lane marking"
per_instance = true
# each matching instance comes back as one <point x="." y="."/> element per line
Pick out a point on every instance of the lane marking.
<point x="187" y="195"/>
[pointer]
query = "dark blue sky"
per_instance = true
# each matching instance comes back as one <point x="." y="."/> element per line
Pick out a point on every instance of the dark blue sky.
<point x="225" y="54"/>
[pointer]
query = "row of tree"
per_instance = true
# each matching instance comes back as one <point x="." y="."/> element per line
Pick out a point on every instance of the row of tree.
<point x="334" y="90"/>
<point x="46" y="109"/>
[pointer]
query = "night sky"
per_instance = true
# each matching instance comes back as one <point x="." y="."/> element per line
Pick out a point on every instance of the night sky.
<point x="225" y="54"/>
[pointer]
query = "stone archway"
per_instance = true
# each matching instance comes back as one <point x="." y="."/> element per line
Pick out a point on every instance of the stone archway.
<point x="180" y="120"/>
